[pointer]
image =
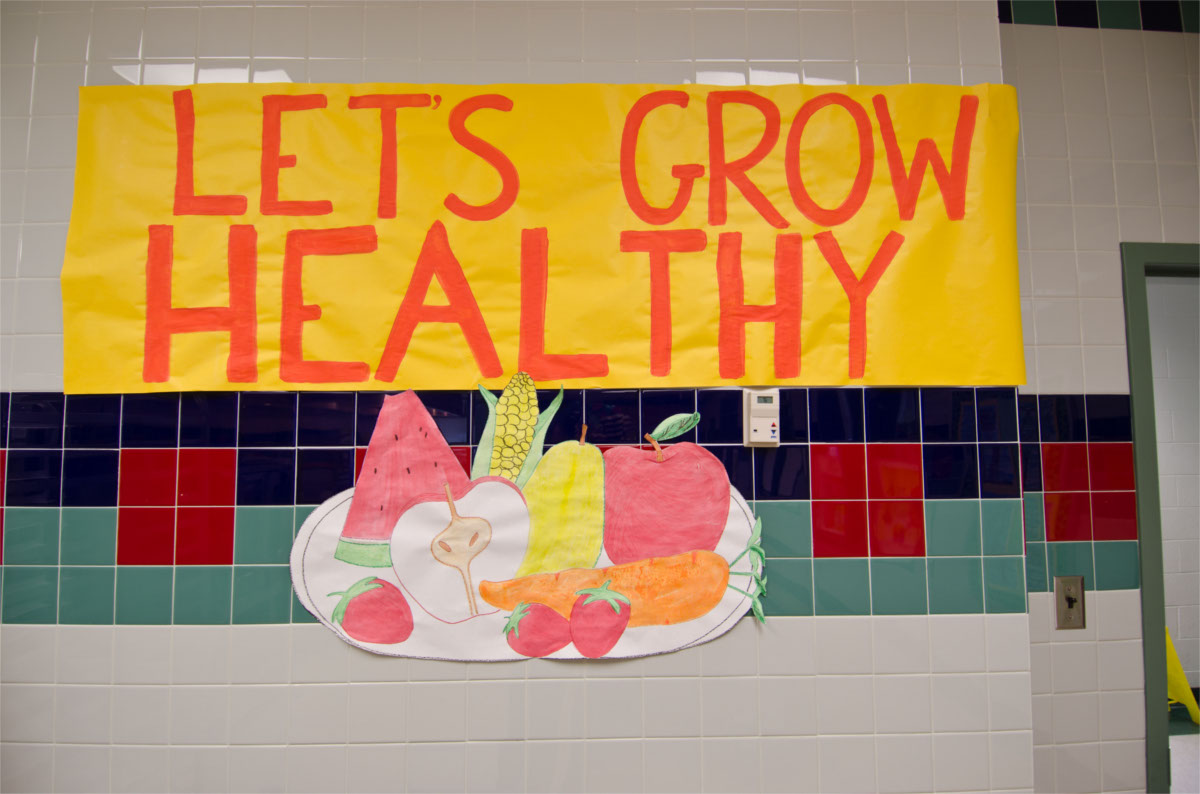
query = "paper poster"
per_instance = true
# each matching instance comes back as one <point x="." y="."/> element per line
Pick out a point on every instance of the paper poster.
<point x="569" y="554"/>
<point x="387" y="236"/>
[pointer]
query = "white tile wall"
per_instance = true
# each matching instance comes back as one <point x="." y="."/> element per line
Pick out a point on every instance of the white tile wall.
<point x="1175" y="351"/>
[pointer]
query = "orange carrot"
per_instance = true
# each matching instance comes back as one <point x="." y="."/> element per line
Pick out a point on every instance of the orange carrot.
<point x="661" y="590"/>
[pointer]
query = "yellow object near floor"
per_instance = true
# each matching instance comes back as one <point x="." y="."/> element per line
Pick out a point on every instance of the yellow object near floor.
<point x="1178" y="690"/>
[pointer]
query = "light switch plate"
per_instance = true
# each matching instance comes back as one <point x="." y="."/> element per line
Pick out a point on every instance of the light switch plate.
<point x="1069" y="602"/>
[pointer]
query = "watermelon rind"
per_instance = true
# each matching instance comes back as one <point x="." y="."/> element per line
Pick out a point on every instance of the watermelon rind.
<point x="368" y="554"/>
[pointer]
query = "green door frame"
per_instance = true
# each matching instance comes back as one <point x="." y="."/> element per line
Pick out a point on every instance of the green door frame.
<point x="1140" y="260"/>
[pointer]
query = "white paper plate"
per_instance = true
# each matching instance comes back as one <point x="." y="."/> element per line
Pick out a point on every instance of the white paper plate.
<point x="316" y="572"/>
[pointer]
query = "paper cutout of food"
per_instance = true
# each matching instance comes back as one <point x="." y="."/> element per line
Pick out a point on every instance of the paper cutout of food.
<point x="436" y="587"/>
<point x="372" y="610"/>
<point x="566" y="508"/>
<point x="515" y="433"/>
<point x="536" y="630"/>
<point x="664" y="501"/>
<point x="463" y="539"/>
<point x="598" y="619"/>
<point x="662" y="591"/>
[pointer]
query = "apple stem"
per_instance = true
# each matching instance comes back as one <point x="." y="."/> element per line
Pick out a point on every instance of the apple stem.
<point x="450" y="501"/>
<point x="658" y="456"/>
<point x="583" y="435"/>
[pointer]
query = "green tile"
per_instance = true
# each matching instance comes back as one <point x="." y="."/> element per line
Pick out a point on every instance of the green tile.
<point x="790" y="588"/>
<point x="144" y="595"/>
<point x="1035" y="516"/>
<point x="1002" y="527"/>
<point x="1071" y="558"/>
<point x="955" y="586"/>
<point x="898" y="587"/>
<point x="30" y="593"/>
<point x="85" y="595"/>
<point x="952" y="528"/>
<point x="1033" y="12"/>
<point x="1004" y="584"/>
<point x="840" y="587"/>
<point x="1123" y="14"/>
<point x="263" y="535"/>
<point x="262" y="594"/>
<point x="302" y="512"/>
<point x="89" y="535"/>
<point x="1191" y="16"/>
<point x="31" y="535"/>
<point x="203" y="594"/>
<point x="1035" y="568"/>
<point x="1116" y="565"/>
<point x="302" y="615"/>
<point x="787" y="528"/>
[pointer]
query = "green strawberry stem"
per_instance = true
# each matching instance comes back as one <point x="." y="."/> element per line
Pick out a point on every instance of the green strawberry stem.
<point x="355" y="590"/>
<point x="514" y="620"/>
<point x="602" y="593"/>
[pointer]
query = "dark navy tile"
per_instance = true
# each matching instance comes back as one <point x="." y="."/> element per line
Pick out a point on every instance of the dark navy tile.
<point x="739" y="463"/>
<point x="1031" y="467"/>
<point x="1163" y="15"/>
<point x="267" y="419"/>
<point x="996" y="414"/>
<point x="90" y="477"/>
<point x="4" y="403"/>
<point x="835" y="415"/>
<point x="1004" y="10"/>
<point x="322" y="473"/>
<point x="34" y="477"/>
<point x="659" y="404"/>
<point x="948" y="414"/>
<point x="93" y="420"/>
<point x="325" y="419"/>
<point x="720" y="416"/>
<point x="612" y="416"/>
<point x="150" y="420"/>
<point x="567" y="423"/>
<point x="1027" y="417"/>
<point x="366" y="411"/>
<point x="266" y="476"/>
<point x="781" y="473"/>
<point x="1077" y="13"/>
<point x="1062" y="417"/>
<point x="1108" y="417"/>
<point x="35" y="420"/>
<point x="451" y="411"/>
<point x="893" y="414"/>
<point x="208" y="419"/>
<point x="999" y="471"/>
<point x="951" y="471"/>
<point x="793" y="415"/>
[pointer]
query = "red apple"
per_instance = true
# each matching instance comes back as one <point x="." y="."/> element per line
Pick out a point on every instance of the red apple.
<point x="662" y="502"/>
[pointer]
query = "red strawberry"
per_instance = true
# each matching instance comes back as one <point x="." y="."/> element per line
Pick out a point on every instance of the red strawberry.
<point x="598" y="619"/>
<point x="536" y="630"/>
<point x="373" y="610"/>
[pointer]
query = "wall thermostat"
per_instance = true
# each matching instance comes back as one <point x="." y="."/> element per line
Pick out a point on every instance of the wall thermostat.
<point x="760" y="417"/>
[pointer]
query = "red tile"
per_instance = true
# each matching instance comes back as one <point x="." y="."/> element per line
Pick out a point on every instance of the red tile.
<point x="148" y="477"/>
<point x="145" y="535"/>
<point x="894" y="471"/>
<point x="359" y="454"/>
<point x="1111" y="466"/>
<point x="1114" y="516"/>
<point x="1068" y="516"/>
<point x="839" y="471"/>
<point x="897" y="528"/>
<point x="207" y="477"/>
<point x="839" y="529"/>
<point x="464" y="457"/>
<point x="205" y="536"/>
<point x="1064" y="467"/>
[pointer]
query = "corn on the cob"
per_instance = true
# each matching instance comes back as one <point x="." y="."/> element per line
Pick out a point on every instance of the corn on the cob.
<point x="516" y="414"/>
<point x="513" y="438"/>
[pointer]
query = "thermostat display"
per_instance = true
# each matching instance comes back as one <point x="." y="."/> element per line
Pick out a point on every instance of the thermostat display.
<point x="760" y="417"/>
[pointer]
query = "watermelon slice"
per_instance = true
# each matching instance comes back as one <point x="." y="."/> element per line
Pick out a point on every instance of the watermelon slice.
<point x="408" y="461"/>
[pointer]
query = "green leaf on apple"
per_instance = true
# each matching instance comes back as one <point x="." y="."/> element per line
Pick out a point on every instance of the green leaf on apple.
<point x="675" y="425"/>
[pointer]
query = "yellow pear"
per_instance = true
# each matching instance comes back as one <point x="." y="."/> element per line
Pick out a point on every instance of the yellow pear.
<point x="565" y="495"/>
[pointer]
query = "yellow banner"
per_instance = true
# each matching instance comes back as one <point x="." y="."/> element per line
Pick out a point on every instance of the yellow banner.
<point x="439" y="236"/>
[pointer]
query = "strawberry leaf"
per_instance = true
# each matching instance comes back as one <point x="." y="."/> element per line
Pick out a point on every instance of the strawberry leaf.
<point x="602" y="593"/>
<point x="355" y="590"/>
